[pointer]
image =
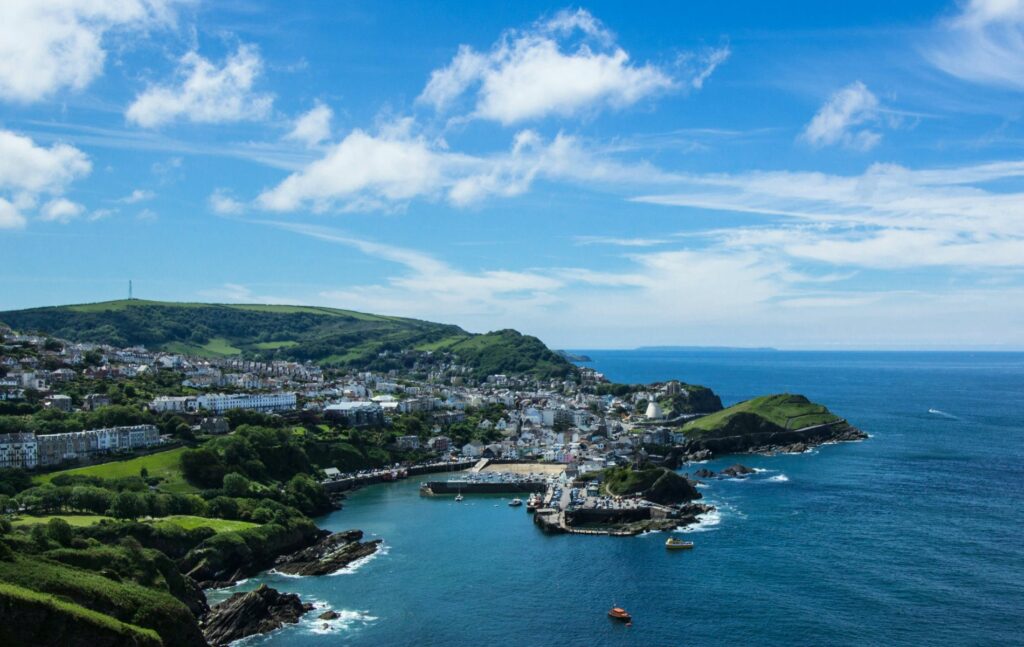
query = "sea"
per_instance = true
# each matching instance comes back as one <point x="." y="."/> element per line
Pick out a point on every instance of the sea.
<point x="912" y="537"/>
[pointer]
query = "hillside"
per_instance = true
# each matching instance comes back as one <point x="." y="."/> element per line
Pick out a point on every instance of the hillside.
<point x="324" y="335"/>
<point x="767" y="413"/>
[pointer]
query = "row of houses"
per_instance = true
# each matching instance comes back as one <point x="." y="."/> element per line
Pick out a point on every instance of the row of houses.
<point x="28" y="451"/>
<point x="218" y="403"/>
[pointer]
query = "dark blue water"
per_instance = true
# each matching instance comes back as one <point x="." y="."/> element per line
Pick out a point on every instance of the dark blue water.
<point x="912" y="537"/>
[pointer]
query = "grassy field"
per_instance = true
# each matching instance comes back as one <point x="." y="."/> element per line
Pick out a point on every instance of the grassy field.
<point x="274" y="345"/>
<point x="216" y="347"/>
<point x="189" y="522"/>
<point x="73" y="519"/>
<point x="784" y="410"/>
<point x="166" y="465"/>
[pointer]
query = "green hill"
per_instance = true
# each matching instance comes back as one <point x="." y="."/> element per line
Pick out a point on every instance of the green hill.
<point x="768" y="413"/>
<point x="324" y="335"/>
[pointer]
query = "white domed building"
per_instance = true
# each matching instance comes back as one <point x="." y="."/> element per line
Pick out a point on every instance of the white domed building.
<point x="654" y="411"/>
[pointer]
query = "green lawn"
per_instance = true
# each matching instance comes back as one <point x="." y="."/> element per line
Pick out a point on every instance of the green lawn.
<point x="73" y="519"/>
<point x="784" y="410"/>
<point x="189" y="522"/>
<point x="274" y="345"/>
<point x="166" y="465"/>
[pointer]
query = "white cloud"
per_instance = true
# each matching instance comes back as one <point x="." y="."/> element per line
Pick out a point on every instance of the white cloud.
<point x="10" y="216"/>
<point x="224" y="204"/>
<point x="138" y="195"/>
<point x="888" y="217"/>
<point x="312" y="127"/>
<point x="147" y="215"/>
<point x="28" y="171"/>
<point x="47" y="45"/>
<point x="983" y="44"/>
<point x="539" y="72"/>
<point x="838" y="120"/>
<point x="206" y="93"/>
<point x="26" y="167"/>
<point x="60" y="210"/>
<point x="701" y="65"/>
<point x="367" y="172"/>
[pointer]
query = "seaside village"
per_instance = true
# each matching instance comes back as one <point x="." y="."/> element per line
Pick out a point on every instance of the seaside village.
<point x="552" y="421"/>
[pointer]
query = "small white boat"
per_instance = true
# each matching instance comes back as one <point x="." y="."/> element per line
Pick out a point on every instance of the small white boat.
<point x="515" y="503"/>
<point x="458" y="498"/>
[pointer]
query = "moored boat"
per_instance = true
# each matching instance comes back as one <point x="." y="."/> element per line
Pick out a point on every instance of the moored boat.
<point x="618" y="613"/>
<point x="515" y="503"/>
<point x="458" y="498"/>
<point x="533" y="502"/>
<point x="672" y="543"/>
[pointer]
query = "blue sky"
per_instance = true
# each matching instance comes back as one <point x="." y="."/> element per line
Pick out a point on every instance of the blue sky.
<point x="812" y="175"/>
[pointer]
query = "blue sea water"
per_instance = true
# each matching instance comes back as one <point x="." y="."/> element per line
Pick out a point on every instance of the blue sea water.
<point x="913" y="537"/>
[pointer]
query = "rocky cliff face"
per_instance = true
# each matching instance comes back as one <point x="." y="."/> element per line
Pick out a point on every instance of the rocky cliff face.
<point x="751" y="434"/>
<point x="329" y="555"/>
<point x="254" y="612"/>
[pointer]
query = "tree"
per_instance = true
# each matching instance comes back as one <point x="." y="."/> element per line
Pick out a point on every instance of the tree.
<point x="128" y="505"/>
<point x="203" y="467"/>
<point x="236" y="485"/>
<point x="60" y="531"/>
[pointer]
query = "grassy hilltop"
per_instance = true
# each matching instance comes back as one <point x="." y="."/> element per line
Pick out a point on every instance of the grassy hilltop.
<point x="768" y="413"/>
<point x="328" y="336"/>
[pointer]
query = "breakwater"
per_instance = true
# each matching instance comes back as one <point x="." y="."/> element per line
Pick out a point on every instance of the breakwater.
<point x="386" y="475"/>
<point x="466" y="486"/>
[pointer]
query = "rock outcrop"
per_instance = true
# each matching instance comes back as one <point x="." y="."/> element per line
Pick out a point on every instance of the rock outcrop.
<point x="255" y="612"/>
<point x="330" y="554"/>
<point x="737" y="471"/>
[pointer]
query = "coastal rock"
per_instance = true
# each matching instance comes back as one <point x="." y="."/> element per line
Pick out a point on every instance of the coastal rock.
<point x="254" y="612"/>
<point x="737" y="471"/>
<point x="704" y="473"/>
<point x="328" y="615"/>
<point x="330" y="554"/>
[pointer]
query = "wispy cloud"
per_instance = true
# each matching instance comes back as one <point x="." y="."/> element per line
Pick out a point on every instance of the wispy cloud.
<point x="842" y="118"/>
<point x="983" y="43"/>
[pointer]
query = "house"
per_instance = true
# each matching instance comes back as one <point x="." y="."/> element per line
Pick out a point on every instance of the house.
<point x="332" y="473"/>
<point x="214" y="425"/>
<point x="94" y="401"/>
<point x="474" y="449"/>
<point x="58" y="402"/>
<point x="356" y="414"/>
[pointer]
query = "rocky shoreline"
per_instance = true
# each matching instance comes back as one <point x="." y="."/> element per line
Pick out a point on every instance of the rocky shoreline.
<point x="767" y="443"/>
<point x="265" y="609"/>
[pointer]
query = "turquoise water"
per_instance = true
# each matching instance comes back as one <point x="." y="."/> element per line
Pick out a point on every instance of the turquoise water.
<point x="912" y="537"/>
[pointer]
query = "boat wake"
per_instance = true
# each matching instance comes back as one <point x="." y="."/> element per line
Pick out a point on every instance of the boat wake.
<point x="942" y="414"/>
<point x="778" y="478"/>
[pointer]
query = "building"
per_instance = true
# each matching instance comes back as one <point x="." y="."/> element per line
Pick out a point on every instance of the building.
<point x="356" y="414"/>
<point x="94" y="401"/>
<point x="408" y="442"/>
<point x="263" y="402"/>
<point x="53" y="449"/>
<point x="214" y="425"/>
<point x="654" y="411"/>
<point x="18" y="450"/>
<point x="59" y="402"/>
<point x="172" y="404"/>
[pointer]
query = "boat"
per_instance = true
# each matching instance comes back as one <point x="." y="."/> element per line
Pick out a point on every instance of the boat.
<point x="618" y="613"/>
<point x="673" y="543"/>
<point x="515" y="503"/>
<point x="458" y="498"/>
<point x="533" y="502"/>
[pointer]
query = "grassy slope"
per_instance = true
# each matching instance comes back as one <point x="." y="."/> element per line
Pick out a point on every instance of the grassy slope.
<point x="166" y="465"/>
<point x="325" y="335"/>
<point x="188" y="522"/>
<point x="57" y="620"/>
<point x="784" y="410"/>
<point x="72" y="519"/>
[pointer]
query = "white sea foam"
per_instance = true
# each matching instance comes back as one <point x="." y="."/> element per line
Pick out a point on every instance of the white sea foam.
<point x="278" y="573"/>
<point x="347" y="619"/>
<point x="702" y="485"/>
<point x="705" y="522"/>
<point x="352" y="567"/>
<point x="942" y="414"/>
<point x="760" y="470"/>
<point x="778" y="478"/>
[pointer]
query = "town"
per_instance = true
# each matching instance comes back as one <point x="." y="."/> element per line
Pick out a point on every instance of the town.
<point x="432" y="410"/>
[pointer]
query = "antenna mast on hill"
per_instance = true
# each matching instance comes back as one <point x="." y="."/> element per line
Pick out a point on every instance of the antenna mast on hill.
<point x="129" y="289"/>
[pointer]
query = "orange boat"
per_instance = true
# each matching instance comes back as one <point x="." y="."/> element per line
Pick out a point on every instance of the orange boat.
<point x="618" y="613"/>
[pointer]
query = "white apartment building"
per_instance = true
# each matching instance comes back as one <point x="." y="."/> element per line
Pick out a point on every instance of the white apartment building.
<point x="264" y="402"/>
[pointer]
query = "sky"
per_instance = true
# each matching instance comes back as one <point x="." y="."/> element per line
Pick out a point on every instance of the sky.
<point x="799" y="175"/>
